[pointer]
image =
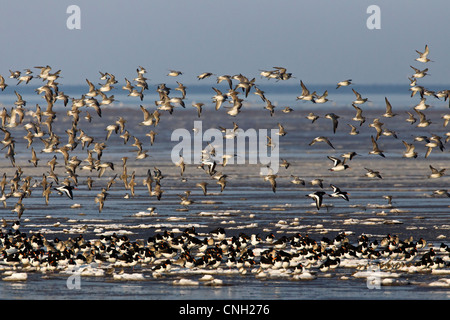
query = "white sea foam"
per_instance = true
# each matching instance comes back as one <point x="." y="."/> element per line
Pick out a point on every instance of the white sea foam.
<point x="129" y="277"/>
<point x="380" y="274"/>
<point x="440" y="283"/>
<point x="185" y="282"/>
<point x="16" y="276"/>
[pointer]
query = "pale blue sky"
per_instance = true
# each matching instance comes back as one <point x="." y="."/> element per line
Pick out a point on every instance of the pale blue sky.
<point x="319" y="41"/>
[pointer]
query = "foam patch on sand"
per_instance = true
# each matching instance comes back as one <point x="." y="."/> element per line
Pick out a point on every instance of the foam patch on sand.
<point x="378" y="274"/>
<point x="185" y="282"/>
<point x="129" y="277"/>
<point x="15" y="276"/>
<point x="440" y="283"/>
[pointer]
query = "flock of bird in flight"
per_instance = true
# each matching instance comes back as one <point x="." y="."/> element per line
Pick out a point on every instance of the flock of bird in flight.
<point x="40" y="127"/>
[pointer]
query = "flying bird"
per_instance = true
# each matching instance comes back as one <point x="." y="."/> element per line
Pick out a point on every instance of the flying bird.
<point x="388" y="113"/>
<point x="358" y="117"/>
<point x="204" y="75"/>
<point x="66" y="189"/>
<point x="423" y="56"/>
<point x="297" y="180"/>
<point x="435" y="173"/>
<point x="271" y="178"/>
<point x="375" y="150"/>
<point x="317" y="197"/>
<point x="337" y="193"/>
<point x="411" y="119"/>
<point x="372" y="173"/>
<point x="313" y="117"/>
<point x="344" y="83"/>
<point x="359" y="98"/>
<point x="338" y="164"/>
<point x="378" y="125"/>
<point x="199" y="106"/>
<point x="353" y="130"/>
<point x="306" y="95"/>
<point x="203" y="186"/>
<point x="333" y="118"/>
<point x="321" y="139"/>
<point x="317" y="182"/>
<point x="323" y="98"/>
<point x="174" y="73"/>
<point x="410" y="150"/>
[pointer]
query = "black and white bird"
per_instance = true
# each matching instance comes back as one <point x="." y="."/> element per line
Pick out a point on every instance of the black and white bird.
<point x="317" y="197"/>
<point x="67" y="190"/>
<point x="337" y="193"/>
<point x="16" y="225"/>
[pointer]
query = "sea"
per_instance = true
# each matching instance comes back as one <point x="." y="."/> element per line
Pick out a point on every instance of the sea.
<point x="247" y="205"/>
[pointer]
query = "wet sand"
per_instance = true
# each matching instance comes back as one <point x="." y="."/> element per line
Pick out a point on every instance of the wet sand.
<point x="247" y="205"/>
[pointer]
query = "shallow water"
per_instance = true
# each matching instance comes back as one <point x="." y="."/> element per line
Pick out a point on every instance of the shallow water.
<point x="247" y="204"/>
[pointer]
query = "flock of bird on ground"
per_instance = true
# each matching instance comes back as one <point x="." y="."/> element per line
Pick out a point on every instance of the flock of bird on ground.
<point x="163" y="252"/>
<point x="40" y="127"/>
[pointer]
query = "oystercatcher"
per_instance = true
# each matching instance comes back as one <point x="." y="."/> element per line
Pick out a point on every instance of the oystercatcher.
<point x="337" y="193"/>
<point x="317" y="197"/>
<point x="67" y="190"/>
